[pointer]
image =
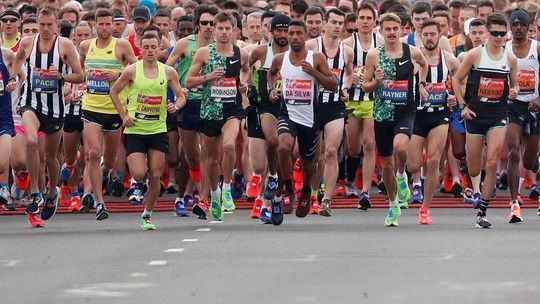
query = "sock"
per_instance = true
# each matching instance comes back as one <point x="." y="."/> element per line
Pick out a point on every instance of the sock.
<point x="215" y="194"/>
<point x="255" y="174"/>
<point x="352" y="166"/>
<point x="146" y="213"/>
<point x="484" y="205"/>
<point x="14" y="173"/>
<point x="226" y="186"/>
<point x="394" y="203"/>
<point x="172" y="178"/>
<point x="521" y="181"/>
<point x="314" y="192"/>
<point x="417" y="184"/>
<point x="277" y="199"/>
<point x="455" y="179"/>
<point x="120" y="176"/>
<point x="401" y="175"/>
<point x="288" y="185"/>
<point x="515" y="202"/>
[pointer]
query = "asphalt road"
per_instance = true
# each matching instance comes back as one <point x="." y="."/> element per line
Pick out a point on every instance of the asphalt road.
<point x="348" y="258"/>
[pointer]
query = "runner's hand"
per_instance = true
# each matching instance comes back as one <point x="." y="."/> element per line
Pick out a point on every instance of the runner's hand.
<point x="54" y="71"/>
<point x="379" y="75"/>
<point x="274" y="97"/>
<point x="171" y="108"/>
<point x="216" y="74"/>
<point x="467" y="114"/>
<point x="109" y="76"/>
<point x="451" y="100"/>
<point x="307" y="67"/>
<point x="534" y="105"/>
<point x="11" y="86"/>
<point x="512" y="94"/>
<point x="128" y="121"/>
<point x="242" y="87"/>
<point x="358" y="79"/>
<point x="423" y="93"/>
<point x="344" y="95"/>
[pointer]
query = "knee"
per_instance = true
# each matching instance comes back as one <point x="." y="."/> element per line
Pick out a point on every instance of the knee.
<point x="155" y="176"/>
<point x="272" y="143"/>
<point x="32" y="143"/>
<point x="284" y="149"/>
<point x="400" y="150"/>
<point x="93" y="155"/>
<point x="368" y="144"/>
<point x="228" y="149"/>
<point x="433" y="162"/>
<point x="330" y="154"/>
<point x="492" y="163"/>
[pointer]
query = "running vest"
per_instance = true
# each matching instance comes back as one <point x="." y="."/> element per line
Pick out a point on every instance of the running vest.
<point x="148" y="102"/>
<point x="410" y="39"/>
<point x="337" y="67"/>
<point x="10" y="44"/>
<point x="42" y="91"/>
<point x="6" y="114"/>
<point x="221" y="95"/>
<point x="136" y="50"/>
<point x="261" y="81"/>
<point x="528" y="72"/>
<point x="195" y="94"/>
<point x="487" y="85"/>
<point x="97" y="97"/>
<point x="299" y="91"/>
<point x="396" y="92"/>
<point x="436" y="82"/>
<point x="359" y="66"/>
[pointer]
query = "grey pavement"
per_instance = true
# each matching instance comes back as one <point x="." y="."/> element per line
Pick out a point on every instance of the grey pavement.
<point x="348" y="258"/>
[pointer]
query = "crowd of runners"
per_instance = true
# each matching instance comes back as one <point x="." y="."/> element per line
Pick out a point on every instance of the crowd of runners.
<point x="290" y="103"/>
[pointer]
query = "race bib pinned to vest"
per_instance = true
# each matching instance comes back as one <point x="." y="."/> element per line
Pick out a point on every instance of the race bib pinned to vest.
<point x="395" y="92"/>
<point x="224" y="90"/>
<point x="436" y="94"/>
<point x="43" y="81"/>
<point x="298" y="91"/>
<point x="148" y="107"/>
<point x="527" y="82"/>
<point x="491" y="89"/>
<point x="96" y="85"/>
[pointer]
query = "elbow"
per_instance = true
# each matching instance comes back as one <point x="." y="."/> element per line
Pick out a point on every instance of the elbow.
<point x="188" y="84"/>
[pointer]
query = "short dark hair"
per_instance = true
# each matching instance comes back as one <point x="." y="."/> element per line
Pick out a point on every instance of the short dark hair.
<point x="48" y="11"/>
<point x="28" y="9"/>
<point x="153" y="28"/>
<point x="456" y="4"/>
<point x="386" y="5"/>
<point x="442" y="14"/>
<point x="350" y="18"/>
<point x="496" y="19"/>
<point x="163" y="13"/>
<point x="224" y="17"/>
<point x="367" y="6"/>
<point x="335" y="11"/>
<point x="420" y="7"/>
<point x="477" y="22"/>
<point x="149" y="36"/>
<point x="300" y="6"/>
<point x="405" y="19"/>
<point x="30" y="19"/>
<point x="67" y="10"/>
<point x="485" y="3"/>
<point x="314" y="11"/>
<point x="298" y="23"/>
<point x="88" y="17"/>
<point x="268" y="14"/>
<point x="430" y="22"/>
<point x="233" y="6"/>
<point x="185" y="18"/>
<point x="104" y="12"/>
<point x="102" y="4"/>
<point x="204" y="8"/>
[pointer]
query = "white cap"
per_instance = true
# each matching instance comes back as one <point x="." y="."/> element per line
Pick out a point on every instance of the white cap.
<point x="467" y="26"/>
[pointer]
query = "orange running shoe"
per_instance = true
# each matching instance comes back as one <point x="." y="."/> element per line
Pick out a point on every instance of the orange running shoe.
<point x="65" y="198"/>
<point x="23" y="180"/>
<point x="515" y="214"/>
<point x="423" y="217"/>
<point x="35" y="220"/>
<point x="297" y="172"/>
<point x="340" y="190"/>
<point x="200" y="209"/>
<point x="314" y="206"/>
<point x="253" y="187"/>
<point x="75" y="204"/>
<point x="256" y="211"/>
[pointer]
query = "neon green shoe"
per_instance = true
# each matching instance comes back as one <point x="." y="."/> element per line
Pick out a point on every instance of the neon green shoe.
<point x="392" y="218"/>
<point x="228" y="203"/>
<point x="403" y="191"/>
<point x="404" y="205"/>
<point x="216" y="210"/>
<point x="146" y="223"/>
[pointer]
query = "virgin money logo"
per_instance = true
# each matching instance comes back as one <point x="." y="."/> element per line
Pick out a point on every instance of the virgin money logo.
<point x="41" y="73"/>
<point x="94" y="74"/>
<point x="485" y="82"/>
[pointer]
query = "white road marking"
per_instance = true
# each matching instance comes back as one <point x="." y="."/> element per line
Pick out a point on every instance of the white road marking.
<point x="190" y="240"/>
<point x="216" y="222"/>
<point x="102" y="290"/>
<point x="449" y="256"/>
<point x="311" y="258"/>
<point x="175" y="250"/>
<point x="203" y="229"/>
<point x="138" y="274"/>
<point x="157" y="263"/>
<point x="8" y="263"/>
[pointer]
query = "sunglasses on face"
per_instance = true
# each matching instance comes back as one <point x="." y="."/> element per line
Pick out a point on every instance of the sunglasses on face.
<point x="205" y="22"/>
<point x="350" y="31"/>
<point x="9" y="20"/>
<point x="498" y="33"/>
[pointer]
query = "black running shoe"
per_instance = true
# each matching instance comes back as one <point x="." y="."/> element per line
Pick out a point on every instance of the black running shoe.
<point x="50" y="207"/>
<point x="87" y="203"/>
<point x="304" y="204"/>
<point x="276" y="214"/>
<point x="34" y="201"/>
<point x="482" y="221"/>
<point x="118" y="188"/>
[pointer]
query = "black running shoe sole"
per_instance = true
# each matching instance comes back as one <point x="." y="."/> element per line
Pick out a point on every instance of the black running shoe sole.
<point x="515" y="219"/>
<point x="364" y="204"/>
<point x="87" y="203"/>
<point x="199" y="212"/>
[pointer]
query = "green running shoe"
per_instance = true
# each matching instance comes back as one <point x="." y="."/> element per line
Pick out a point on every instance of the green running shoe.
<point x="404" y="205"/>
<point x="392" y="218"/>
<point x="146" y="223"/>
<point x="216" y="210"/>
<point x="228" y="203"/>
<point x="403" y="191"/>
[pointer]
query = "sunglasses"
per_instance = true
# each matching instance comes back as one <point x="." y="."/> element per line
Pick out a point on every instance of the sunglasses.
<point x="498" y="33"/>
<point x="9" y="20"/>
<point x="205" y="22"/>
<point x="350" y="31"/>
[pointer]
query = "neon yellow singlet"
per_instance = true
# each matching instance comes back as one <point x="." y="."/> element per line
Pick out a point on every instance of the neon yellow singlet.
<point x="148" y="102"/>
<point x="97" y="97"/>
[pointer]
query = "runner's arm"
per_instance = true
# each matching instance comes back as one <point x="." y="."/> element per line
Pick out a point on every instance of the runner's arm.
<point x="321" y="72"/>
<point x="370" y="82"/>
<point x="200" y="59"/>
<point x="462" y="72"/>
<point x="172" y="79"/>
<point x="125" y="79"/>
<point x="177" y="52"/>
<point x="72" y="60"/>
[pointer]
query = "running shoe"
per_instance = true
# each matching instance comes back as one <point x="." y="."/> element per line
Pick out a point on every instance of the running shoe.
<point x="265" y="216"/>
<point x="364" y="203"/>
<point x="350" y="191"/>
<point x="228" y="203"/>
<point x="237" y="187"/>
<point x="404" y="205"/>
<point x="101" y="212"/>
<point x="106" y="180"/>
<point x="403" y="191"/>
<point x="200" y="209"/>
<point x="35" y="221"/>
<point x="256" y="210"/>
<point x="66" y="172"/>
<point x="392" y="218"/>
<point x="276" y="216"/>
<point x="271" y="188"/>
<point x="146" y="223"/>
<point x="34" y="201"/>
<point x="287" y="205"/>
<point x="50" y="207"/>
<point x="75" y="204"/>
<point x="302" y="210"/>
<point x="171" y="188"/>
<point x="456" y="190"/>
<point x="87" y="202"/>
<point x="382" y="187"/>
<point x="325" y="207"/>
<point x="515" y="214"/>
<point x="190" y="201"/>
<point x="17" y="195"/>
<point x="131" y="189"/>
<point x="297" y="172"/>
<point x="468" y="196"/>
<point x="118" y="188"/>
<point x="314" y="205"/>
<point x="5" y="196"/>
<point x="423" y="217"/>
<point x="215" y="209"/>
<point x="477" y="199"/>
<point x="482" y="221"/>
<point x="9" y="206"/>
<point x="535" y="192"/>
<point x="253" y="186"/>
<point x="136" y="197"/>
<point x="66" y="195"/>
<point x="23" y="179"/>
<point x="180" y="208"/>
<point x="340" y="190"/>
<point x="520" y="200"/>
<point x="536" y="166"/>
<point x="416" y="197"/>
<point x="504" y="181"/>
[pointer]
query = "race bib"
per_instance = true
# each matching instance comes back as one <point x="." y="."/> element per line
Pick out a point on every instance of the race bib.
<point x="491" y="89"/>
<point x="527" y="82"/>
<point x="224" y="90"/>
<point x="278" y="84"/>
<point x="81" y="91"/>
<point x="298" y="91"/>
<point x="96" y="85"/>
<point x="395" y="92"/>
<point x="357" y="69"/>
<point x="437" y="94"/>
<point x="43" y="81"/>
<point x="148" y="107"/>
<point x="337" y="76"/>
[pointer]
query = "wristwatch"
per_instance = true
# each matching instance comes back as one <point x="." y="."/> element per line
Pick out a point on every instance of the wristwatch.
<point x="462" y="106"/>
<point x="423" y="83"/>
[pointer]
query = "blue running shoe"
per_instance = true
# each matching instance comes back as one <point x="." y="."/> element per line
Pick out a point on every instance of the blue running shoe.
<point x="66" y="172"/>
<point x="535" y="192"/>
<point x="276" y="215"/>
<point x="477" y="199"/>
<point x="101" y="212"/>
<point x="180" y="208"/>
<point x="271" y="188"/>
<point x="265" y="216"/>
<point x="237" y="187"/>
<point x="190" y="201"/>
<point x="136" y="197"/>
<point x="416" y="197"/>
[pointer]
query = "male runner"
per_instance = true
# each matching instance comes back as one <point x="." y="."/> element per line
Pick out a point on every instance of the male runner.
<point x="7" y="128"/>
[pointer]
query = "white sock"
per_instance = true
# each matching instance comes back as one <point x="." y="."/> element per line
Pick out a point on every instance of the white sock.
<point x="456" y="179"/>
<point x="417" y="184"/>
<point x="521" y="181"/>
<point x="146" y="213"/>
<point x="277" y="199"/>
<point x="401" y="175"/>
<point x="273" y="175"/>
<point x="226" y="186"/>
<point x="394" y="203"/>
<point x="215" y="194"/>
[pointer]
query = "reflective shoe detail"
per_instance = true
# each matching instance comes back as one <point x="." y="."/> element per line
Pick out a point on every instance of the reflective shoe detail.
<point x="256" y="210"/>
<point x="200" y="209"/>
<point x="75" y="204"/>
<point x="515" y="214"/>
<point x="87" y="202"/>
<point x="482" y="221"/>
<point x="288" y="203"/>
<point x="146" y="223"/>
<point x="50" y="207"/>
<point x="253" y="186"/>
<point x="535" y="192"/>
<point x="314" y="205"/>
<point x="392" y="218"/>
<point x="416" y="197"/>
<point x="5" y="196"/>
<point x="265" y="216"/>
<point x="271" y="188"/>
<point x="325" y="207"/>
<point x="382" y="187"/>
<point x="228" y="203"/>
<point x="137" y="197"/>
<point x="350" y="191"/>
<point x="215" y="209"/>
<point x="297" y="172"/>
<point x="276" y="215"/>
<point x="456" y="190"/>
<point x="101" y="212"/>
<point x="423" y="217"/>
<point x="180" y="208"/>
<point x="66" y="195"/>
<point x="364" y="203"/>
<point x="403" y="191"/>
<point x="304" y="205"/>
<point x="35" y="221"/>
<point x="404" y="205"/>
